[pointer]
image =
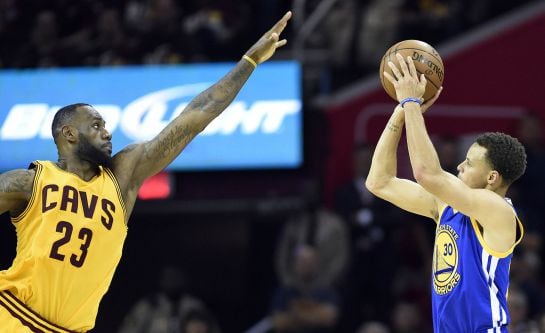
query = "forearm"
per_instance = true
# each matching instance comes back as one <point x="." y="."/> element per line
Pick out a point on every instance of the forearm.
<point x="384" y="163"/>
<point x="205" y="107"/>
<point x="211" y="102"/>
<point x="424" y="159"/>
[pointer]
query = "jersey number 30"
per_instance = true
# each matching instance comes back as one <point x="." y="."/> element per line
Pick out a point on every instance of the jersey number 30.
<point x="85" y="235"/>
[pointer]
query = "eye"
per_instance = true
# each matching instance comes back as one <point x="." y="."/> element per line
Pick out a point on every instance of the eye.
<point x="96" y="125"/>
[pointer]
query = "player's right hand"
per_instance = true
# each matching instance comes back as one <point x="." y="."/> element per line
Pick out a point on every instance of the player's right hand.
<point x="265" y="47"/>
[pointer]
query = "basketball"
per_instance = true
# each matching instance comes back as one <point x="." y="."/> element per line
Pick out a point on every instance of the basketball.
<point x="426" y="60"/>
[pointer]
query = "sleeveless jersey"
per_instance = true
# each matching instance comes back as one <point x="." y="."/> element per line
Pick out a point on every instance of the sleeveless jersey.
<point x="69" y="243"/>
<point x="470" y="280"/>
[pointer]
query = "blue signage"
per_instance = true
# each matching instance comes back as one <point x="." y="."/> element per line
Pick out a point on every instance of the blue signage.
<point x="262" y="128"/>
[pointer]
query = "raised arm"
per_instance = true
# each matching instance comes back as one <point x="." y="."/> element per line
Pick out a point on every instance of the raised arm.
<point x="490" y="209"/>
<point x="15" y="190"/>
<point x="137" y="162"/>
<point x="382" y="180"/>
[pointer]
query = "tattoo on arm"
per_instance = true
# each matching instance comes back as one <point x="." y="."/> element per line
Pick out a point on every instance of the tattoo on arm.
<point x="16" y="181"/>
<point x="216" y="98"/>
<point x="393" y="127"/>
<point x="169" y="143"/>
<point x="165" y="147"/>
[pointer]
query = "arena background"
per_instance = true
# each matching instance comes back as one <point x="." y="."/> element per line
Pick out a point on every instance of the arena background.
<point x="223" y="226"/>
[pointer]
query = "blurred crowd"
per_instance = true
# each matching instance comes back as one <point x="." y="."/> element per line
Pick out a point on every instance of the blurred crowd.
<point x="107" y="33"/>
<point x="358" y="266"/>
<point x="347" y="42"/>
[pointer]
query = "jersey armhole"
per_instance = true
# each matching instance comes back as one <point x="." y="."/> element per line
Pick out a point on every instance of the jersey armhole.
<point x="478" y="233"/>
<point x="38" y="170"/>
<point x="119" y="194"/>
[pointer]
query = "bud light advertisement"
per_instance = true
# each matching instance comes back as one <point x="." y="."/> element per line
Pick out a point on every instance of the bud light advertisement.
<point x="262" y="128"/>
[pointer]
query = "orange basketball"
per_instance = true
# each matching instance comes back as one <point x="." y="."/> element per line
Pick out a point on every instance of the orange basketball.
<point x="426" y="60"/>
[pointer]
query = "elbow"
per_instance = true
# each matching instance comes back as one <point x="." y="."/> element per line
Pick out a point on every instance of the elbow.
<point x="375" y="185"/>
<point x="426" y="178"/>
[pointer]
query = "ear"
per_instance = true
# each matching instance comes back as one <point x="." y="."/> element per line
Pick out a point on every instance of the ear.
<point x="69" y="133"/>
<point x="494" y="178"/>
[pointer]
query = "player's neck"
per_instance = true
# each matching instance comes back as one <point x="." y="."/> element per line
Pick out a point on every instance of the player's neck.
<point x="81" y="168"/>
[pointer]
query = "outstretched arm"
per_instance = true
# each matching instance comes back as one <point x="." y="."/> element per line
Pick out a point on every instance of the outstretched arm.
<point x="137" y="162"/>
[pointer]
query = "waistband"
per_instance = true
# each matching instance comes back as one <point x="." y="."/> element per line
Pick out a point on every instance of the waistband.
<point x="27" y="317"/>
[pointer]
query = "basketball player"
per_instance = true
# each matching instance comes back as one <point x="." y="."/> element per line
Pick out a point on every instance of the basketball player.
<point x="477" y="227"/>
<point x="71" y="215"/>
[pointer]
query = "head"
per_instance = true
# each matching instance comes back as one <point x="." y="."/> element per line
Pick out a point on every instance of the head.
<point x="78" y="129"/>
<point x="530" y="130"/>
<point x="173" y="282"/>
<point x="198" y="321"/>
<point x="494" y="162"/>
<point x="517" y="303"/>
<point x="305" y="261"/>
<point x="362" y="157"/>
<point x="373" y="327"/>
<point x="406" y="317"/>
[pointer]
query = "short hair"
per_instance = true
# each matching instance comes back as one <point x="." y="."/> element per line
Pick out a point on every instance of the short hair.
<point x="62" y="117"/>
<point x="505" y="154"/>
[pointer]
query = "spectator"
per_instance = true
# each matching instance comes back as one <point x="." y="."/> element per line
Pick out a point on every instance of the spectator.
<point x="199" y="322"/>
<point x="373" y="327"/>
<point x="518" y="309"/>
<point x="321" y="229"/>
<point x="165" y="310"/>
<point x="407" y="318"/>
<point x="369" y="220"/>
<point x="302" y="306"/>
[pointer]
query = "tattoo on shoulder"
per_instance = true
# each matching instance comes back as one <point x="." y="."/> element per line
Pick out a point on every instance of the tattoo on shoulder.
<point x="17" y="181"/>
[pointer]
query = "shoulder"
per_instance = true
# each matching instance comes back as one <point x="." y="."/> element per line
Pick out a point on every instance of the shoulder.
<point x="17" y="181"/>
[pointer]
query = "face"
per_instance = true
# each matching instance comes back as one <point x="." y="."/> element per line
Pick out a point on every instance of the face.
<point x="196" y="326"/>
<point x="306" y="262"/>
<point x="474" y="170"/>
<point x="94" y="143"/>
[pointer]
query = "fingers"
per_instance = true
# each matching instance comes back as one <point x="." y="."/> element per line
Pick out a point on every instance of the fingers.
<point x="394" y="69"/>
<point x="412" y="68"/>
<point x="390" y="78"/>
<point x="281" y="43"/>
<point x="403" y="64"/>
<point x="427" y="104"/>
<point x="281" y="24"/>
<point x="274" y="37"/>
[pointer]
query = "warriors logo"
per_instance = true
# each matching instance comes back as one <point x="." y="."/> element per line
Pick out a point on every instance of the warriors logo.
<point x="445" y="260"/>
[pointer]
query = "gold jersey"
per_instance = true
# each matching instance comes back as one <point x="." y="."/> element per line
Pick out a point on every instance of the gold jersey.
<point x="69" y="243"/>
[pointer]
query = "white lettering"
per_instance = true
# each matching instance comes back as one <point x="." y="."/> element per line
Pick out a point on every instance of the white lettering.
<point x="142" y="119"/>
<point x="23" y="121"/>
<point x="146" y="116"/>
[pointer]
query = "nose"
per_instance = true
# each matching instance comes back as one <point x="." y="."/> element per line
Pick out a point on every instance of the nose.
<point x="460" y="167"/>
<point x="106" y="135"/>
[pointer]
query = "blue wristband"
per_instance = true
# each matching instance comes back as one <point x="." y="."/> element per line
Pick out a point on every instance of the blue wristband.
<point x="410" y="99"/>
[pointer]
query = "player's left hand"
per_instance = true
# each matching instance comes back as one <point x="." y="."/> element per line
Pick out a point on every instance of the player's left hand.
<point x="427" y="104"/>
<point x="406" y="82"/>
<point x="265" y="47"/>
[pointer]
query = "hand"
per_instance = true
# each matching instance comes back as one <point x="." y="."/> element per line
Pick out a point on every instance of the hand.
<point x="406" y="83"/>
<point x="265" y="47"/>
<point x="424" y="107"/>
<point x="427" y="104"/>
